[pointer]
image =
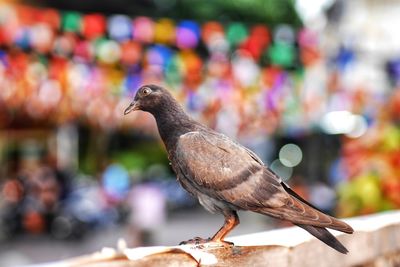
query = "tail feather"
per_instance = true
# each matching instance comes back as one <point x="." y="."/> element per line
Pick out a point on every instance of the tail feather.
<point x="325" y="236"/>
<point x="334" y="223"/>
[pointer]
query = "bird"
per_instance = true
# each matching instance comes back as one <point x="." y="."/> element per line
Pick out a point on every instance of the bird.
<point x="225" y="176"/>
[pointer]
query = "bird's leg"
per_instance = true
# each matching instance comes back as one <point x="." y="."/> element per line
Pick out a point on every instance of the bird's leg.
<point x="231" y="220"/>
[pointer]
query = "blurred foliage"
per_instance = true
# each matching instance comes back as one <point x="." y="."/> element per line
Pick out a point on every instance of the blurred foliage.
<point x="363" y="195"/>
<point x="374" y="184"/>
<point x="99" y="149"/>
<point x="144" y="155"/>
<point x="392" y="138"/>
<point x="270" y="12"/>
<point x="261" y="11"/>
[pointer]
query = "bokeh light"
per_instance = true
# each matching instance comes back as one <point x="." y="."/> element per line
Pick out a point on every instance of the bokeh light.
<point x="290" y="155"/>
<point x="71" y="21"/>
<point x="165" y="31"/>
<point x="281" y="170"/>
<point x="143" y="29"/>
<point x="344" y="122"/>
<point x="236" y="33"/>
<point x="187" y="34"/>
<point x="93" y="26"/>
<point x="120" y="27"/>
<point x="109" y="51"/>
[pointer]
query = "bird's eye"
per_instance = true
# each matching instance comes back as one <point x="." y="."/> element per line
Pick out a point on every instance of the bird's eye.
<point x="146" y="91"/>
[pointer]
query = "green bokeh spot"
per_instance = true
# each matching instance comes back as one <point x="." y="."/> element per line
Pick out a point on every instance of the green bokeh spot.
<point x="71" y="21"/>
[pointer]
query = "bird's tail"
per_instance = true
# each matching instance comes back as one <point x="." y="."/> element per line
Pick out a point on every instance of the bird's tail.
<point x="333" y="222"/>
<point x="308" y="217"/>
<point x="325" y="236"/>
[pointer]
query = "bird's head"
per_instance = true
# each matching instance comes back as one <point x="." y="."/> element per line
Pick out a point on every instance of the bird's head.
<point x="149" y="98"/>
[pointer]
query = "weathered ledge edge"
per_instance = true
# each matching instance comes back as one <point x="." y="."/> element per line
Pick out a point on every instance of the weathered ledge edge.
<point x="376" y="240"/>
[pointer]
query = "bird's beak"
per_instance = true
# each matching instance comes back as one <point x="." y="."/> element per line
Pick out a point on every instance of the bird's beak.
<point x="132" y="107"/>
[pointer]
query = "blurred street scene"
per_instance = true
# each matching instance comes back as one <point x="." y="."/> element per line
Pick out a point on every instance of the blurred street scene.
<point x="312" y="88"/>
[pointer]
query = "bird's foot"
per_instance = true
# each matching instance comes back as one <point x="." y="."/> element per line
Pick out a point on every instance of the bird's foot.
<point x="206" y="242"/>
<point x="196" y="241"/>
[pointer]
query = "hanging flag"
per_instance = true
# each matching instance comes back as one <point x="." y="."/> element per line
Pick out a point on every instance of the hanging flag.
<point x="165" y="32"/>
<point x="71" y="21"/>
<point x="120" y="27"/>
<point x="93" y="26"/>
<point x="143" y="30"/>
<point x="187" y="34"/>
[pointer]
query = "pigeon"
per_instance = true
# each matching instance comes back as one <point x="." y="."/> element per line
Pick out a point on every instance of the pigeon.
<point x="225" y="176"/>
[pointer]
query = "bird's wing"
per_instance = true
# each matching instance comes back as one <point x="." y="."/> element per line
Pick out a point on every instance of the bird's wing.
<point x="227" y="171"/>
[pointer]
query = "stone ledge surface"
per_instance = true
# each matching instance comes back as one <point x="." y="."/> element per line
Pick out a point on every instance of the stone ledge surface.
<point x="376" y="242"/>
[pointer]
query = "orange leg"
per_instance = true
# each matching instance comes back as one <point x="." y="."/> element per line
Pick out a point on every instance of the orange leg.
<point x="231" y="220"/>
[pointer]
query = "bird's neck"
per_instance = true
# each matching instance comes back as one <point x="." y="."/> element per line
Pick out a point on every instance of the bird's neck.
<point x="172" y="122"/>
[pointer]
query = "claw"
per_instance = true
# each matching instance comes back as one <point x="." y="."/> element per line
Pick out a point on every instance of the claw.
<point x="195" y="241"/>
<point x="202" y="242"/>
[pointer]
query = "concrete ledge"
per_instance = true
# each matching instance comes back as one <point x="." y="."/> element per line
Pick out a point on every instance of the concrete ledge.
<point x="376" y="242"/>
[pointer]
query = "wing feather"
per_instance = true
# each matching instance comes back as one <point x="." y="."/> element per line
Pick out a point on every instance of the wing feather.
<point x="227" y="171"/>
<point x="224" y="170"/>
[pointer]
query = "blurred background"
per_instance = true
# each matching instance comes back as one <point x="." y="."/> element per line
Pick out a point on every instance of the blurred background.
<point x="311" y="86"/>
